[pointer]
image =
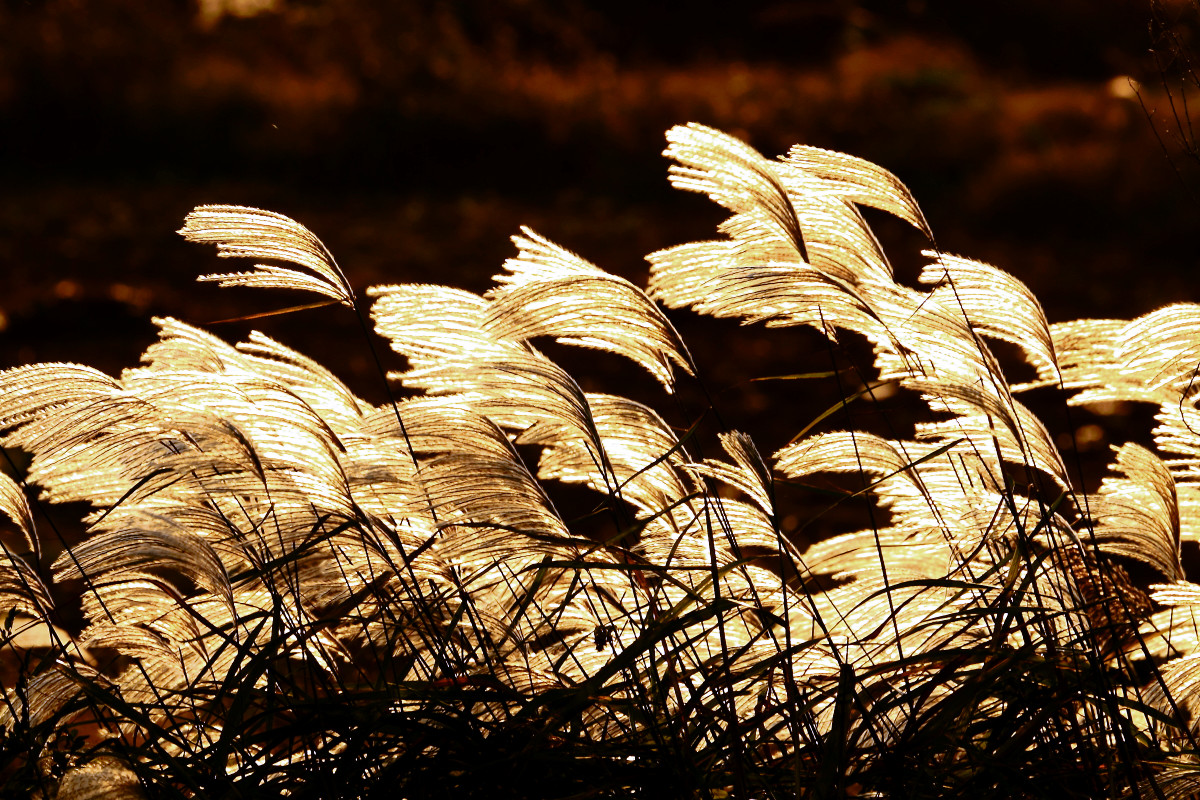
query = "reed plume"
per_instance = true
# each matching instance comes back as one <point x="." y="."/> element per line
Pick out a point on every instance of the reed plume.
<point x="291" y="591"/>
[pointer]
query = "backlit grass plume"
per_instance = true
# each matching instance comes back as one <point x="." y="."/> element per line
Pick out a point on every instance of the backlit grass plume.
<point x="292" y="592"/>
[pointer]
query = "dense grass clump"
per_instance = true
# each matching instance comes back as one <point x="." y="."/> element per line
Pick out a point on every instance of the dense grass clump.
<point x="292" y="592"/>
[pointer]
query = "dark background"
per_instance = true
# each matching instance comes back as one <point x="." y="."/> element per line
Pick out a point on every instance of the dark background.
<point x="415" y="137"/>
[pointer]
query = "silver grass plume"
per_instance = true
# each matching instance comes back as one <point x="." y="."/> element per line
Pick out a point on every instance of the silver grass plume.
<point x="259" y="532"/>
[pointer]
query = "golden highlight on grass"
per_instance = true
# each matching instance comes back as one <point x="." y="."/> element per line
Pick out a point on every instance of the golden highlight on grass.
<point x="292" y="592"/>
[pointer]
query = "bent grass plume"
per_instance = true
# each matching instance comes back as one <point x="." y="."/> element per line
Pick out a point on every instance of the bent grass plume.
<point x="292" y="592"/>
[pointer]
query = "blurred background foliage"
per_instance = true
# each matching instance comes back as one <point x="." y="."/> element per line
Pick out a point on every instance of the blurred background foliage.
<point x="414" y="137"/>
